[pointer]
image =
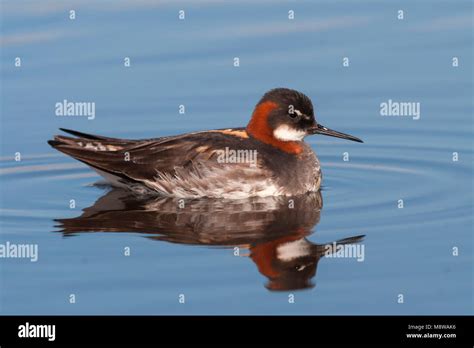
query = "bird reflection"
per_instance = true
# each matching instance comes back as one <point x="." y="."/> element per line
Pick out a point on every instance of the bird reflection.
<point x="272" y="231"/>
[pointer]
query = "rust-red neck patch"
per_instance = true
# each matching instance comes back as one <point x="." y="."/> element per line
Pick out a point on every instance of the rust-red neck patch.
<point x="265" y="254"/>
<point x="259" y="128"/>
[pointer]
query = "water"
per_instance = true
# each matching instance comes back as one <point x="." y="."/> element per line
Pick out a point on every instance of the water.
<point x="407" y="251"/>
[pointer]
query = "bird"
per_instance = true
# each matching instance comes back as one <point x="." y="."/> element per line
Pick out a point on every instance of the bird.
<point x="268" y="157"/>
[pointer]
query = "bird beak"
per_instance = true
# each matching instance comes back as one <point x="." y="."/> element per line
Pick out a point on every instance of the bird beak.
<point x="318" y="129"/>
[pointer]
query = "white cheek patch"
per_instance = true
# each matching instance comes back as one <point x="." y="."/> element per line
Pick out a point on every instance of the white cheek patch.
<point x="292" y="250"/>
<point x="286" y="133"/>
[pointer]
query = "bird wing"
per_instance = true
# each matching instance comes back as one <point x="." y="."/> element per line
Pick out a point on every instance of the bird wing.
<point x="178" y="165"/>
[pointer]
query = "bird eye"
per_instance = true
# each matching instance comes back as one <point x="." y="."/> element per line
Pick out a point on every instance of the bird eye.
<point x="293" y="113"/>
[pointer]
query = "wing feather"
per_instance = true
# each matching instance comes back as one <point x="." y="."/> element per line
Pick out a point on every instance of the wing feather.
<point x="183" y="165"/>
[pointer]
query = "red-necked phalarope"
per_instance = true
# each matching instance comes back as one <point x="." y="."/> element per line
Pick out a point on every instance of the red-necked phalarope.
<point x="267" y="158"/>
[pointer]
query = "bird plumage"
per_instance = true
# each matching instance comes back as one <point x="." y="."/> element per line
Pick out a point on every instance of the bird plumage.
<point x="193" y="165"/>
<point x="186" y="165"/>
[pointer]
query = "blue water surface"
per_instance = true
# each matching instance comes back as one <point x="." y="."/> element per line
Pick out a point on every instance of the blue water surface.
<point x="423" y="251"/>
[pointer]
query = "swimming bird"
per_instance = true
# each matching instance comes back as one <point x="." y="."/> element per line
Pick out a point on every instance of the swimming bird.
<point x="267" y="158"/>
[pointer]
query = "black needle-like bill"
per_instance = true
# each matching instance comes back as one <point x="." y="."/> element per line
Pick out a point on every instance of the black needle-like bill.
<point x="319" y="129"/>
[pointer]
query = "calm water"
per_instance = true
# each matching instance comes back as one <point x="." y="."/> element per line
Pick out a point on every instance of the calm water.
<point x="191" y="251"/>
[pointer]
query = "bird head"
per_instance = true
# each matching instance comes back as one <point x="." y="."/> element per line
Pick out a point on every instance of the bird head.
<point x="285" y="115"/>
